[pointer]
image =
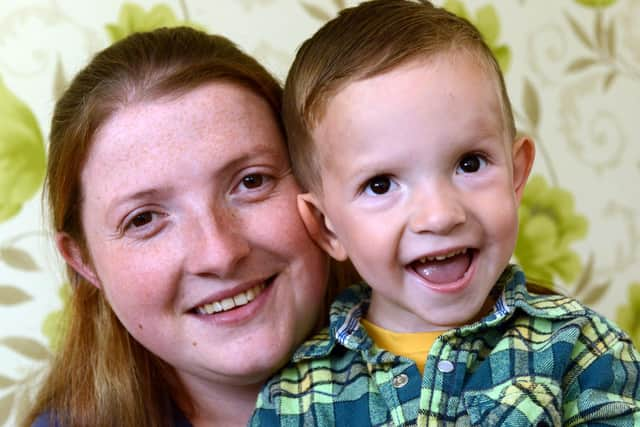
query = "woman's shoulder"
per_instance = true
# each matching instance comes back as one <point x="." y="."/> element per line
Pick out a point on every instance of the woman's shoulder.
<point x="48" y="419"/>
<point x="45" y="419"/>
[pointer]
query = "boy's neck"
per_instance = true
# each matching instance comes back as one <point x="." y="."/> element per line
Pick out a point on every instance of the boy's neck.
<point x="402" y="326"/>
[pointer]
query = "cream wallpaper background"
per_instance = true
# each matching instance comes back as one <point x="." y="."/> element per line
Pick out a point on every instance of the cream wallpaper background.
<point x="572" y="68"/>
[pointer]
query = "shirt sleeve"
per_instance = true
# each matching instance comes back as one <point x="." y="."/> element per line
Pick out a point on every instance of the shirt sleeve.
<point x="603" y="380"/>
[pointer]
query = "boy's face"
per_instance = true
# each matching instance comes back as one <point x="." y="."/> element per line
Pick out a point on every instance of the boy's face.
<point x="420" y="189"/>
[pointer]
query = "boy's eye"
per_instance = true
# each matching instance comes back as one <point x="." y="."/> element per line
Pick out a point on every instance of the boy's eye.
<point x="253" y="180"/>
<point x="471" y="163"/>
<point x="380" y="184"/>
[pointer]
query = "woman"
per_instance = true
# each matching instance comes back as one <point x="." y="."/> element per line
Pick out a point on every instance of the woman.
<point x="175" y="210"/>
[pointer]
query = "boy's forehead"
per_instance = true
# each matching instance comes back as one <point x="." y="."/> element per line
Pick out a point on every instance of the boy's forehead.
<point x="361" y="84"/>
<point x="461" y="57"/>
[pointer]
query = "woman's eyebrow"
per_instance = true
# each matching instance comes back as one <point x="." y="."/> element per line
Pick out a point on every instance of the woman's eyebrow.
<point x="260" y="153"/>
<point x="135" y="196"/>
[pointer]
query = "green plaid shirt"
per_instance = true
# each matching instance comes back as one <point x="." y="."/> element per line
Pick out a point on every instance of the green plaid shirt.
<point x="535" y="360"/>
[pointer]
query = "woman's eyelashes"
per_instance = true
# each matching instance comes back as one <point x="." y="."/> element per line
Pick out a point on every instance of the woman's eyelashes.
<point x="143" y="223"/>
<point x="471" y="163"/>
<point x="254" y="185"/>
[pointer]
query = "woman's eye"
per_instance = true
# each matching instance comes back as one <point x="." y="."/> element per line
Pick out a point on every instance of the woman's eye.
<point x="253" y="180"/>
<point x="378" y="185"/>
<point x="471" y="163"/>
<point x="143" y="224"/>
<point x="254" y="186"/>
<point x="141" y="219"/>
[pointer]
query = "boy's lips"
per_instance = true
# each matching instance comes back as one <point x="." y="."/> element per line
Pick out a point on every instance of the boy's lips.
<point x="444" y="268"/>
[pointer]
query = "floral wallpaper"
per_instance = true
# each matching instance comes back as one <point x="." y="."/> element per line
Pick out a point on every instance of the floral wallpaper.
<point x="572" y="69"/>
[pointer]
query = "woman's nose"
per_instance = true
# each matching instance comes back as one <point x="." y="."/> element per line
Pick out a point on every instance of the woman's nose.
<point x="438" y="211"/>
<point x="220" y="245"/>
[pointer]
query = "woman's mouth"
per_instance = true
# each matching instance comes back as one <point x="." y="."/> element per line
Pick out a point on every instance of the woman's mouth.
<point x="445" y="268"/>
<point x="235" y="301"/>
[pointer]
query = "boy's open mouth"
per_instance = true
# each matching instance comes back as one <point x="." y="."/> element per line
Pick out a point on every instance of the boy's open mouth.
<point x="445" y="268"/>
<point x="235" y="301"/>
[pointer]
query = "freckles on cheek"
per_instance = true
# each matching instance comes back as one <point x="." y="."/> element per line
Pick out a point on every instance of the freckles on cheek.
<point x="282" y="222"/>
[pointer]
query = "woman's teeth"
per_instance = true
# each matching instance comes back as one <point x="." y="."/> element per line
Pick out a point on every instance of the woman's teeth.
<point x="443" y="257"/>
<point x="238" y="300"/>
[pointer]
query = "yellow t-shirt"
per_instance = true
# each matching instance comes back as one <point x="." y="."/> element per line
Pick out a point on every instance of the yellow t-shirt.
<point x="412" y="345"/>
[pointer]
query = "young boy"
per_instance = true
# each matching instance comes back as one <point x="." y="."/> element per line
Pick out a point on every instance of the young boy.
<point x="401" y="130"/>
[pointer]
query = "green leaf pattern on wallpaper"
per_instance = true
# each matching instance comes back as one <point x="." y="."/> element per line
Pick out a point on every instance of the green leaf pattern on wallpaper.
<point x="627" y="316"/>
<point x="53" y="326"/>
<point x="22" y="154"/>
<point x="602" y="47"/>
<point x="133" y="18"/>
<point x="486" y="20"/>
<point x="596" y="3"/>
<point x="549" y="226"/>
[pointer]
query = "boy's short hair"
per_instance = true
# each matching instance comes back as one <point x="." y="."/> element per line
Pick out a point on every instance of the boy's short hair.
<point x="364" y="41"/>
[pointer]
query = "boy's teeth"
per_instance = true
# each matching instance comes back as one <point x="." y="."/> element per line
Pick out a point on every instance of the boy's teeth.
<point x="443" y="257"/>
<point x="228" y="303"/>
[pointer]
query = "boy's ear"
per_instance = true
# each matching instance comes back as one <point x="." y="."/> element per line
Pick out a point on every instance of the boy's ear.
<point x="319" y="227"/>
<point x="73" y="255"/>
<point x="523" y="154"/>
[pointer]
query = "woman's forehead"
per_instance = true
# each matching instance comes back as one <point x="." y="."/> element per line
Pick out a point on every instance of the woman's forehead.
<point x="217" y="112"/>
<point x="209" y="127"/>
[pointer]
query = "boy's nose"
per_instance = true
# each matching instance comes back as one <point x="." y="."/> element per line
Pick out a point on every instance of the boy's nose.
<point x="220" y="244"/>
<point x="438" y="211"/>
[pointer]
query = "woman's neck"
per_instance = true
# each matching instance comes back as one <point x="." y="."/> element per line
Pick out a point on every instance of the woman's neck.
<point x="222" y="404"/>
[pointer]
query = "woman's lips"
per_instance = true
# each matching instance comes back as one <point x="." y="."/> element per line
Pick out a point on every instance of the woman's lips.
<point x="240" y="299"/>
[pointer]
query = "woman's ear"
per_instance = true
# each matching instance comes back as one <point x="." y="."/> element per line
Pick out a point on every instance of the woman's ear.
<point x="73" y="255"/>
<point x="319" y="226"/>
<point x="523" y="154"/>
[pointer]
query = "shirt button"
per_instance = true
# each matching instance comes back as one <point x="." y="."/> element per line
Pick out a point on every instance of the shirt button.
<point x="445" y="366"/>
<point x="400" y="381"/>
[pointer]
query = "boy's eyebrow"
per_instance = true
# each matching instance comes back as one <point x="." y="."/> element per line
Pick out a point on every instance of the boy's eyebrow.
<point x="360" y="168"/>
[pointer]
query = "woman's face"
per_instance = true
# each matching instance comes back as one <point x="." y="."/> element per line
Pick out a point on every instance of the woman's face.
<point x="189" y="211"/>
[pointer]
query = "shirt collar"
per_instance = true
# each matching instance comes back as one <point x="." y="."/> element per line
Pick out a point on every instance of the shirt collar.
<point x="510" y="293"/>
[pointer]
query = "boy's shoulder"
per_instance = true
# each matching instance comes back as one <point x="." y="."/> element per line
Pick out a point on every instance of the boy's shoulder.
<point x="520" y="298"/>
<point x="310" y="380"/>
<point x="333" y="359"/>
<point x="540" y="318"/>
<point x="541" y="302"/>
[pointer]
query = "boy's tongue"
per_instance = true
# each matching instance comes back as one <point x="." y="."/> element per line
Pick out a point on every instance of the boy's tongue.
<point x="445" y="271"/>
